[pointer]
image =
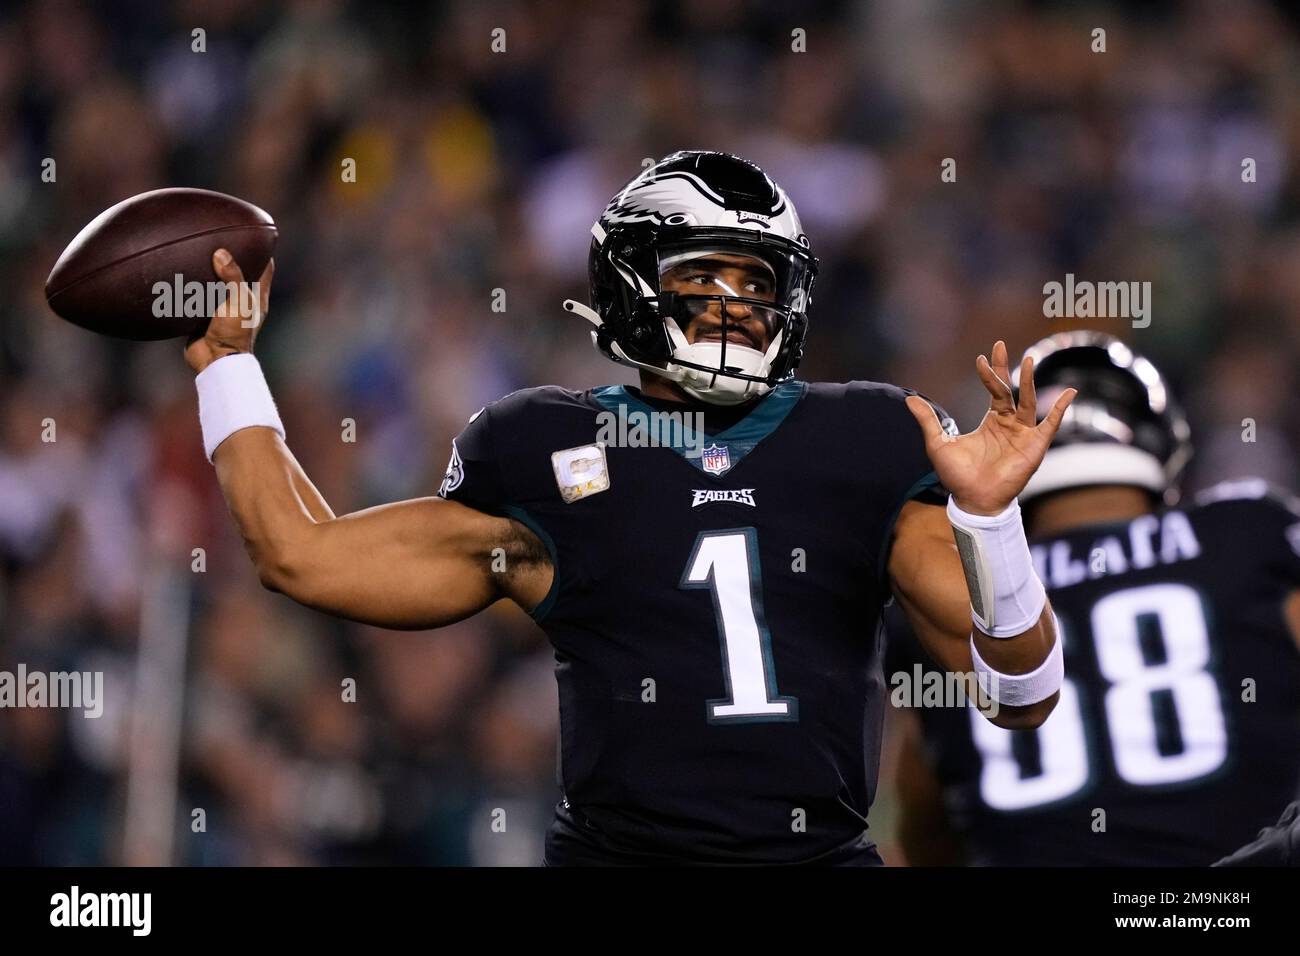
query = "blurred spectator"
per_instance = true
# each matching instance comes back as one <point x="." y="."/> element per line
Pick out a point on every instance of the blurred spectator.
<point x="478" y="176"/>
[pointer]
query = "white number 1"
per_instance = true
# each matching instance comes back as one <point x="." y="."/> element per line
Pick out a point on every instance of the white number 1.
<point x="726" y="562"/>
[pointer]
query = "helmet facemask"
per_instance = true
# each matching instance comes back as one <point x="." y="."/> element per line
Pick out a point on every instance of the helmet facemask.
<point x="734" y="339"/>
<point x="726" y="337"/>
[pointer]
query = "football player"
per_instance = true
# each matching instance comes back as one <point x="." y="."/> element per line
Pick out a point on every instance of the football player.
<point x="713" y="600"/>
<point x="1174" y="739"/>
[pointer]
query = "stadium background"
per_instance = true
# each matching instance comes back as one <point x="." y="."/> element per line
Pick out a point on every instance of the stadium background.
<point x="482" y="171"/>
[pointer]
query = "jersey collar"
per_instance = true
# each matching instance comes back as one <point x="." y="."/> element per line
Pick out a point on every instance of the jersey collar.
<point x="733" y="443"/>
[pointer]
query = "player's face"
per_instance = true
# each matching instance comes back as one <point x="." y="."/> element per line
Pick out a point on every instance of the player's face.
<point x="725" y="274"/>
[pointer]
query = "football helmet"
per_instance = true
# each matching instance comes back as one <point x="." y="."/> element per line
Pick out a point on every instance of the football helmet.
<point x="1123" y="428"/>
<point x="717" y="222"/>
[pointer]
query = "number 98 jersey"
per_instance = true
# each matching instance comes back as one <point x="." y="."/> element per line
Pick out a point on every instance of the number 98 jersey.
<point x="715" y="610"/>
<point x="1175" y="737"/>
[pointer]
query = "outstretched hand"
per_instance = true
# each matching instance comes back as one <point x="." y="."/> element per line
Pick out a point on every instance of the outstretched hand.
<point x="986" y="469"/>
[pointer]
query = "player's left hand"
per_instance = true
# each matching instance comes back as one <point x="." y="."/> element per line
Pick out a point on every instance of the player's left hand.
<point x="987" y="468"/>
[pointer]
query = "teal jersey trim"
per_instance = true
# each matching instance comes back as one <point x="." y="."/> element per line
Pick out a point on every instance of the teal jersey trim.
<point x="739" y="440"/>
<point x="524" y="518"/>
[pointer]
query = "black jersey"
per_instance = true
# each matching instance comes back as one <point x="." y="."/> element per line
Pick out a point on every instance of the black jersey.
<point x="1177" y="732"/>
<point x="715" y="611"/>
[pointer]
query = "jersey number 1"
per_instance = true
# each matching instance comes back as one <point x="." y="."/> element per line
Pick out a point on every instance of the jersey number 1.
<point x="726" y="562"/>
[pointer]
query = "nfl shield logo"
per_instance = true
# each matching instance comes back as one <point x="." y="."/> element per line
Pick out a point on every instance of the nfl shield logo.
<point x="715" y="459"/>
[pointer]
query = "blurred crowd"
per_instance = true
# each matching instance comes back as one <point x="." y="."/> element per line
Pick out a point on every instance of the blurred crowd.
<point x="478" y="174"/>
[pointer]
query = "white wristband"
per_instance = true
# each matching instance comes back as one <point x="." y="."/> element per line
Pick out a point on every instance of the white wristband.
<point x="1007" y="598"/>
<point x="233" y="395"/>
<point x="1020" y="690"/>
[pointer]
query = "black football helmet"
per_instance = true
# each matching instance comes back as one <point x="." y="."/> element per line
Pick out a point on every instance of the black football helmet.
<point x="1123" y="428"/>
<point x="683" y="210"/>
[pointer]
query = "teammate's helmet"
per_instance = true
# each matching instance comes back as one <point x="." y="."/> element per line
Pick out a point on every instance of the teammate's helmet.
<point x="1123" y="428"/>
<point x="690" y="206"/>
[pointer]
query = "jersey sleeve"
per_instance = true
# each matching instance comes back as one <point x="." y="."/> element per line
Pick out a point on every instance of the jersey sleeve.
<point x="474" y="473"/>
<point x="903" y="650"/>
<point x="927" y="488"/>
<point x="901" y="469"/>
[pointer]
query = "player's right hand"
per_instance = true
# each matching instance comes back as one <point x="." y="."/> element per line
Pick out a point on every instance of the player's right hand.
<point x="234" y="326"/>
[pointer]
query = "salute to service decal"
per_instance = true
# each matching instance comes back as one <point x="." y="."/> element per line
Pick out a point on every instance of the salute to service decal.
<point x="581" y="471"/>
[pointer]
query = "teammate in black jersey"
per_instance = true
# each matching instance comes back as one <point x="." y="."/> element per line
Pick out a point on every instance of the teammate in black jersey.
<point x="713" y="599"/>
<point x="1175" y="739"/>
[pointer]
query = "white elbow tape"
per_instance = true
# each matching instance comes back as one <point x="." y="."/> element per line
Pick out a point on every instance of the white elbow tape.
<point x="1020" y="690"/>
<point x="233" y="395"/>
<point x="1005" y="594"/>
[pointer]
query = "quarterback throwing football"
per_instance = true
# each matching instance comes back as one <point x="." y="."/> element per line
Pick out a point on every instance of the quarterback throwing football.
<point x="718" y="655"/>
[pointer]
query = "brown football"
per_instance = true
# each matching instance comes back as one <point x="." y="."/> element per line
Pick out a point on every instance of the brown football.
<point x="119" y="276"/>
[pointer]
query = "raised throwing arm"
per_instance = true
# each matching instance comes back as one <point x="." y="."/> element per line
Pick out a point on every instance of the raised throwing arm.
<point x="412" y="564"/>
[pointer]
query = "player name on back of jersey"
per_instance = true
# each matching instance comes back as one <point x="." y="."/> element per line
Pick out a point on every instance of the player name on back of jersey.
<point x="1145" y="542"/>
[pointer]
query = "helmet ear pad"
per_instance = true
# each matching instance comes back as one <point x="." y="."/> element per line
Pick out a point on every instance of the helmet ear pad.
<point x="622" y="294"/>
